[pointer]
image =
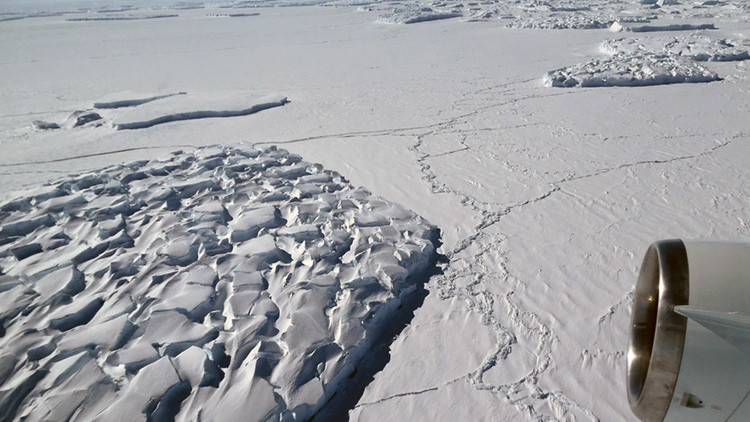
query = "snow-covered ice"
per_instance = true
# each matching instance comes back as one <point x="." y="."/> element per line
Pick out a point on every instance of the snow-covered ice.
<point x="545" y="200"/>
<point x="642" y="61"/>
<point x="630" y="70"/>
<point x="233" y="282"/>
<point x="696" y="46"/>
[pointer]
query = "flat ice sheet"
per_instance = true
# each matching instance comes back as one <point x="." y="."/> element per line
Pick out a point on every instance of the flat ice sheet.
<point x="232" y="282"/>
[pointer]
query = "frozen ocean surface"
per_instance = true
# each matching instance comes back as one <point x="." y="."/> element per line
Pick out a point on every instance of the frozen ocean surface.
<point x="548" y="143"/>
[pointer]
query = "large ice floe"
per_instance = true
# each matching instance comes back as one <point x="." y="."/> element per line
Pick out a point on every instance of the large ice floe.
<point x="233" y="282"/>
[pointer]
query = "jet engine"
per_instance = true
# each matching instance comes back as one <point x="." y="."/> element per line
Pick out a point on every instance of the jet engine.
<point x="689" y="351"/>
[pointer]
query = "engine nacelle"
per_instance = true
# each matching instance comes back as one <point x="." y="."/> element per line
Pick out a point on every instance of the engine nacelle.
<point x="689" y="352"/>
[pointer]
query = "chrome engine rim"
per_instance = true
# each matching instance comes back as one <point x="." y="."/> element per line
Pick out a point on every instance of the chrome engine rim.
<point x="657" y="332"/>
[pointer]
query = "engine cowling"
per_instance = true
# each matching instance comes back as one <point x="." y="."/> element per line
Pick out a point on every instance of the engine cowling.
<point x="689" y="351"/>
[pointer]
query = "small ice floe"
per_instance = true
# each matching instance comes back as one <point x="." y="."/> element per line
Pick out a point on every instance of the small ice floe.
<point x="651" y="61"/>
<point x="630" y="70"/>
<point x="243" y="283"/>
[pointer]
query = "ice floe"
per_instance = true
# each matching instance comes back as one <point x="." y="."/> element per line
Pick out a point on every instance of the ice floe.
<point x="651" y="61"/>
<point x="630" y="70"/>
<point x="697" y="46"/>
<point x="233" y="282"/>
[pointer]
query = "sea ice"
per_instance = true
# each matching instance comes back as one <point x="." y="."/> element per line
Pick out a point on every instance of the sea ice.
<point x="416" y="14"/>
<point x="651" y="61"/>
<point x="543" y="198"/>
<point x="630" y="70"/>
<point x="696" y="46"/>
<point x="236" y="282"/>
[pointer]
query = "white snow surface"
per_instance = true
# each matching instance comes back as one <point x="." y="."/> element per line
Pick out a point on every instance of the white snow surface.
<point x="247" y="283"/>
<point x="546" y="199"/>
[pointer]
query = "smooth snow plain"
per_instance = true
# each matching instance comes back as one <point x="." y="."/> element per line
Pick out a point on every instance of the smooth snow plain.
<point x="545" y="198"/>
